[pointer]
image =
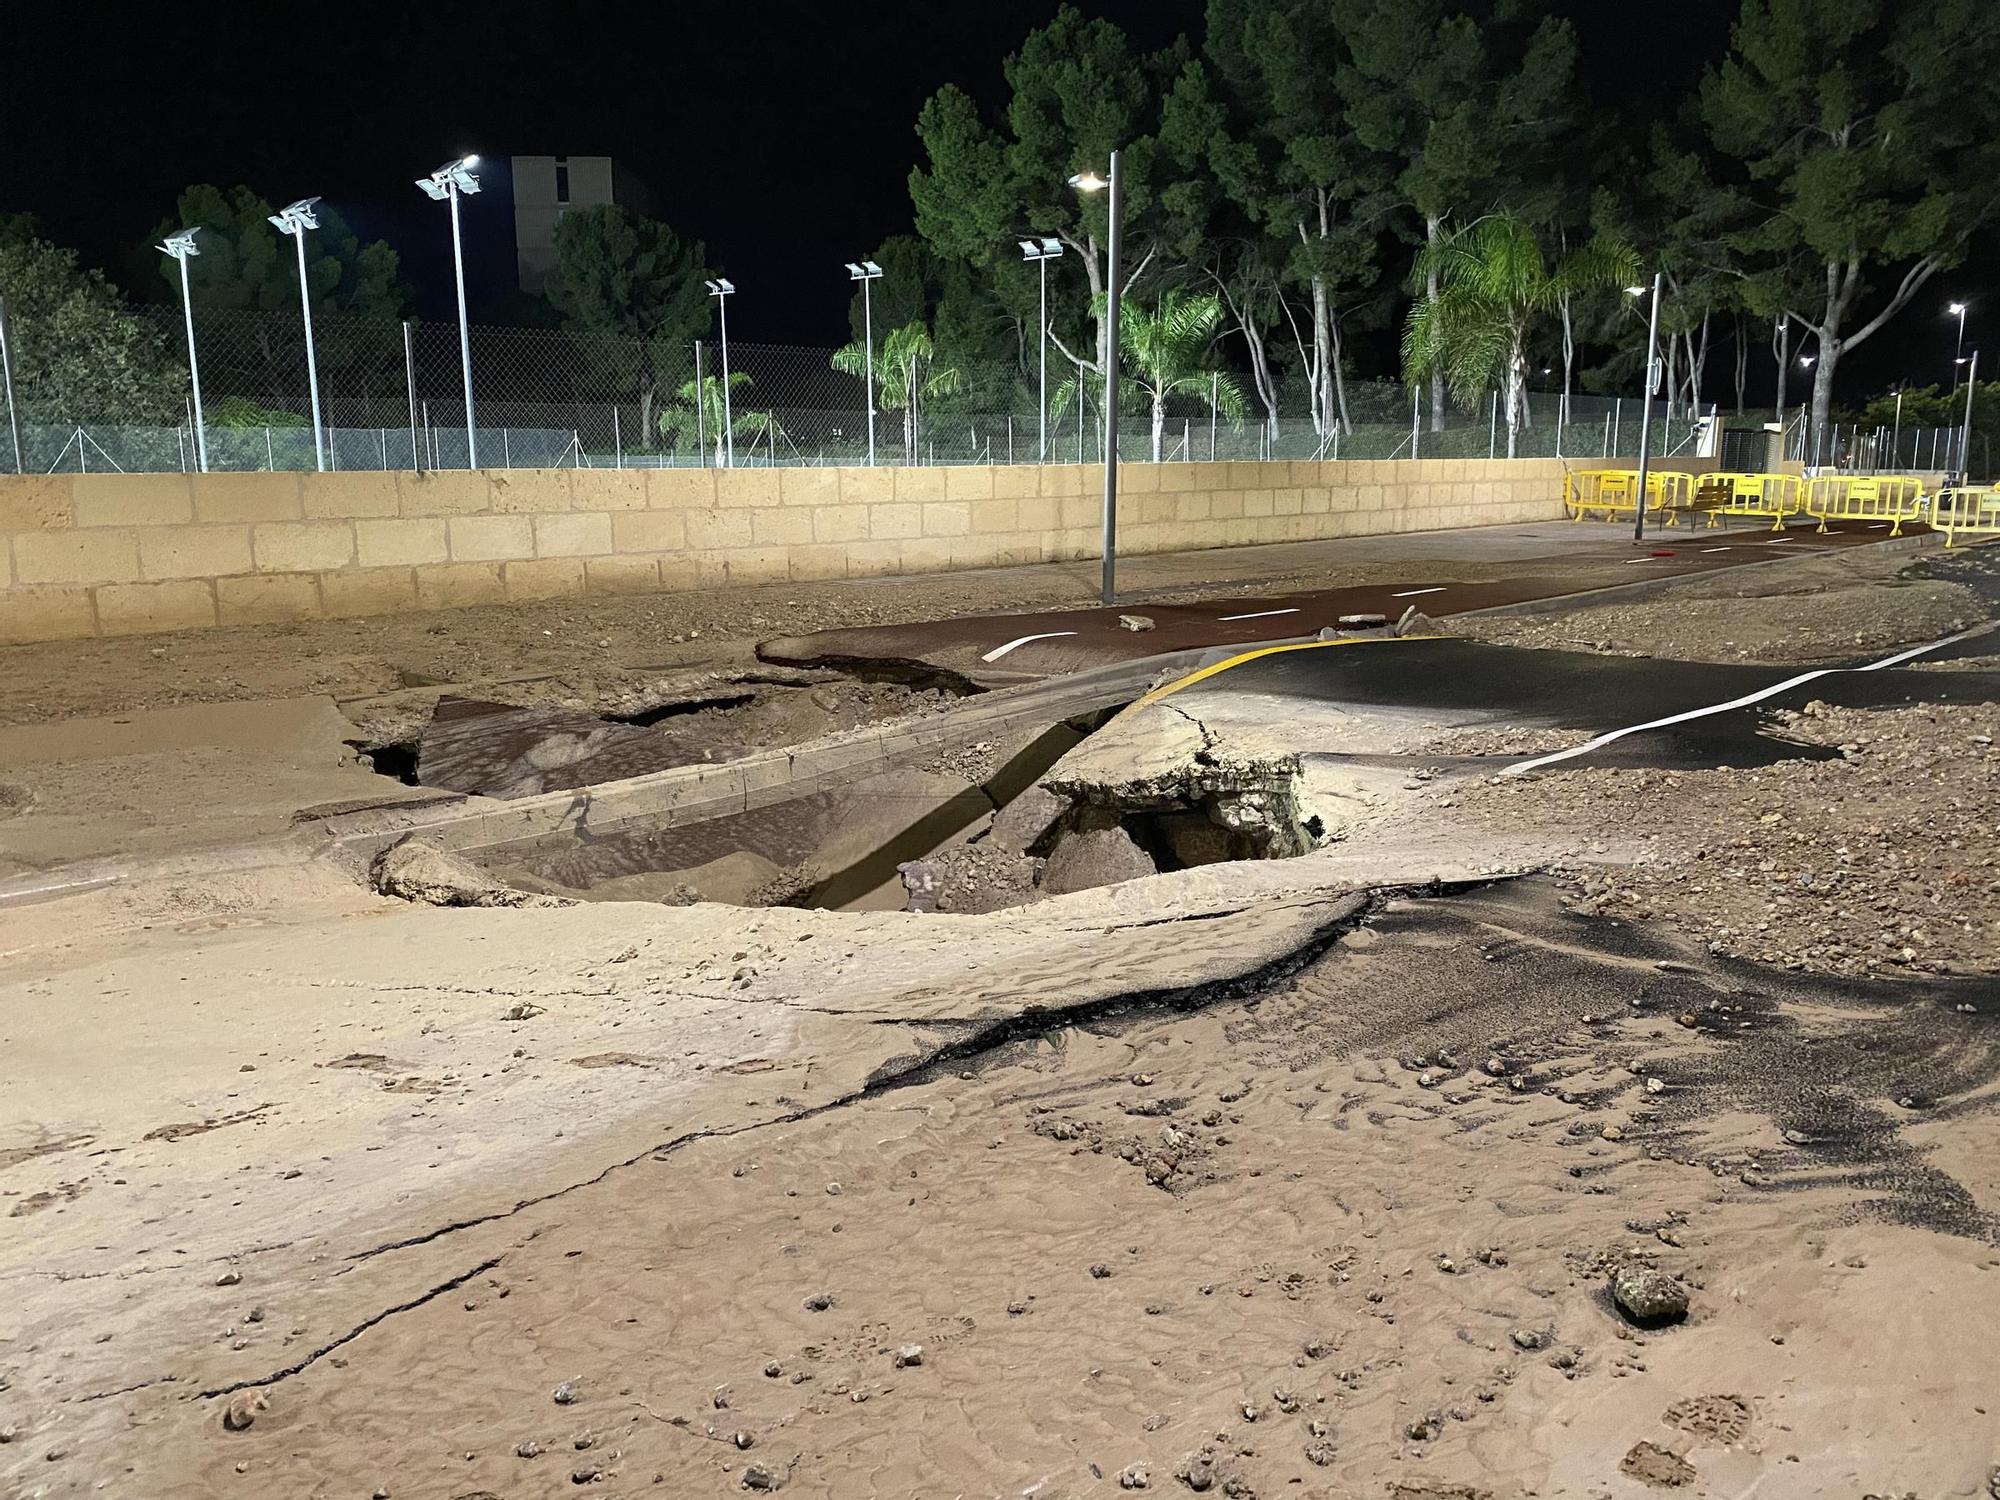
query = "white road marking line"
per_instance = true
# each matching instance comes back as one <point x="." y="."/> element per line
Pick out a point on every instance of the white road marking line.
<point x="1715" y="549"/>
<point x="1262" y="614"/>
<point x="1630" y="560"/>
<point x="999" y="651"/>
<point x="1744" y="702"/>
<point x="1414" y="592"/>
<point x="1879" y="526"/>
<point x="1779" y="541"/>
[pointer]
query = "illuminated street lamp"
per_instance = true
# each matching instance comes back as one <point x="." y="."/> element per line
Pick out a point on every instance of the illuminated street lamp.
<point x="1957" y="310"/>
<point x="722" y="289"/>
<point x="1041" y="252"/>
<point x="294" y="220"/>
<point x="1090" y="182"/>
<point x="181" y="246"/>
<point x="1646" y="402"/>
<point x="864" y="272"/>
<point x="445" y="185"/>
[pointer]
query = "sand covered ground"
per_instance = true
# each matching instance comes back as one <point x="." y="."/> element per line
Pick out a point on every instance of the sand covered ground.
<point x="1313" y="1196"/>
<point x="1298" y="1177"/>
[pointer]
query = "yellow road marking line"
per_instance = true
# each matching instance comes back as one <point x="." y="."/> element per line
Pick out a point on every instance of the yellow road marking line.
<point x="1236" y="661"/>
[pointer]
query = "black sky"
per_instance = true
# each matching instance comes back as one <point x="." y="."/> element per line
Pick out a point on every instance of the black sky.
<point x="781" y="134"/>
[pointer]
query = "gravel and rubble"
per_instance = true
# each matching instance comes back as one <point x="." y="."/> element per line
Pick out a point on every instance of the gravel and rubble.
<point x="1823" y="609"/>
<point x="1883" y="858"/>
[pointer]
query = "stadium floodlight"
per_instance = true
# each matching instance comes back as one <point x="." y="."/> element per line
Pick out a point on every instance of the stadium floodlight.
<point x="446" y="185"/>
<point x="182" y="247"/>
<point x="295" y="219"/>
<point x="1040" y="252"/>
<point x="866" y="271"/>
<point x="1089" y="182"/>
<point x="722" y="289"/>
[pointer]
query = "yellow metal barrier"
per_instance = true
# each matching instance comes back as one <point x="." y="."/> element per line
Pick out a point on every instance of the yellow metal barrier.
<point x="1773" y="495"/>
<point x="1966" y="510"/>
<point x="1610" y="491"/>
<point x="1866" y="497"/>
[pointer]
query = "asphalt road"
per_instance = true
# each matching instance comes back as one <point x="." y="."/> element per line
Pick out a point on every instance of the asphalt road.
<point x="1013" y="647"/>
<point x="1706" y="714"/>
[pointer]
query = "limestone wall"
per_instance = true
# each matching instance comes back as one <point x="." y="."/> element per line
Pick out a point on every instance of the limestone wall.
<point x="120" y="554"/>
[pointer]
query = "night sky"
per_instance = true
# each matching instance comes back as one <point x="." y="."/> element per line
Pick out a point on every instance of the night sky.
<point x="780" y="134"/>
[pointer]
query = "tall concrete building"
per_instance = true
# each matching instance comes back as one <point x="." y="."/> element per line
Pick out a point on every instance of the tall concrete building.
<point x="546" y="188"/>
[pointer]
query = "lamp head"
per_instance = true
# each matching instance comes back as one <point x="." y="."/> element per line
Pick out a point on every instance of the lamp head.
<point x="1956" y="309"/>
<point x="1635" y="291"/>
<point x="181" y="245"/>
<point x="296" y="218"/>
<point x="720" y="287"/>
<point x="456" y="173"/>
<point x="1089" y="181"/>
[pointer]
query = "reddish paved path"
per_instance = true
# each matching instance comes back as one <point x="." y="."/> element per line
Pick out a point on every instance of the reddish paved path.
<point x="1010" y="647"/>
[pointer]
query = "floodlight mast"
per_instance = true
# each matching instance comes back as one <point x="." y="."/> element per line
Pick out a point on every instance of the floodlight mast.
<point x="181" y="246"/>
<point x="445" y="185"/>
<point x="721" y="289"/>
<point x="1090" y="182"/>
<point x="866" y="272"/>
<point x="295" y="219"/>
<point x="1042" y="251"/>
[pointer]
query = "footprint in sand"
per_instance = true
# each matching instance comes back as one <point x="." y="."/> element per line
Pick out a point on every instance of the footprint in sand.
<point x="1715" y="1419"/>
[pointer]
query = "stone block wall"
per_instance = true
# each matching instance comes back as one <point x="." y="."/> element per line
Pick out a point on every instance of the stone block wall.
<point x="121" y="554"/>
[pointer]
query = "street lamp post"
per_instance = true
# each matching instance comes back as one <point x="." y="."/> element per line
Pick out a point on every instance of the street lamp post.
<point x="445" y="185"/>
<point x="1090" y="182"/>
<point x="1965" y="441"/>
<point x="294" y="220"/>
<point x="1646" y="405"/>
<point x="865" y="272"/>
<point x="1957" y="310"/>
<point x="721" y="289"/>
<point x="1041" y="252"/>
<point x="1806" y="362"/>
<point x="180" y="247"/>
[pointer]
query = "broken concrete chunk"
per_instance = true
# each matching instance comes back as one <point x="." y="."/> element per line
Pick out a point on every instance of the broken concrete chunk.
<point x="420" y="871"/>
<point x="1135" y="622"/>
<point x="1026" y="821"/>
<point x="1102" y="856"/>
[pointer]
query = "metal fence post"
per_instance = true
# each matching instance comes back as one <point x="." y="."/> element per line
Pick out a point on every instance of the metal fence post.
<point x="7" y="374"/>
<point x="617" y="438"/>
<point x="700" y="408"/>
<point x="410" y="385"/>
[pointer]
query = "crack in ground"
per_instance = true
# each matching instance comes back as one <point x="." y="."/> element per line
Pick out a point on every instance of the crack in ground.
<point x="982" y="1036"/>
<point x="126" y="1390"/>
<point x="352" y="1334"/>
<point x="1207" y="734"/>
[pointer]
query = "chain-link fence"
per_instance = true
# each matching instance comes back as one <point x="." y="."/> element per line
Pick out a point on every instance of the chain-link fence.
<point x="393" y="396"/>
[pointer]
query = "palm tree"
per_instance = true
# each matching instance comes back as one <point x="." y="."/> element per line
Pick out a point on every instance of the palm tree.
<point x="1163" y="347"/>
<point x="1493" y="285"/>
<point x="697" y="414"/>
<point x="906" y="363"/>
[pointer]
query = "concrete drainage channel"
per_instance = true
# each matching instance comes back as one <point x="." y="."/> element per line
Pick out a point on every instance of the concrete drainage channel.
<point x="547" y="801"/>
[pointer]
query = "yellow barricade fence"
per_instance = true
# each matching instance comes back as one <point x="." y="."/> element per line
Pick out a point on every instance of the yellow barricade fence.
<point x="1773" y="495"/>
<point x="1966" y="511"/>
<point x="1610" y="491"/>
<point x="1866" y="497"/>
